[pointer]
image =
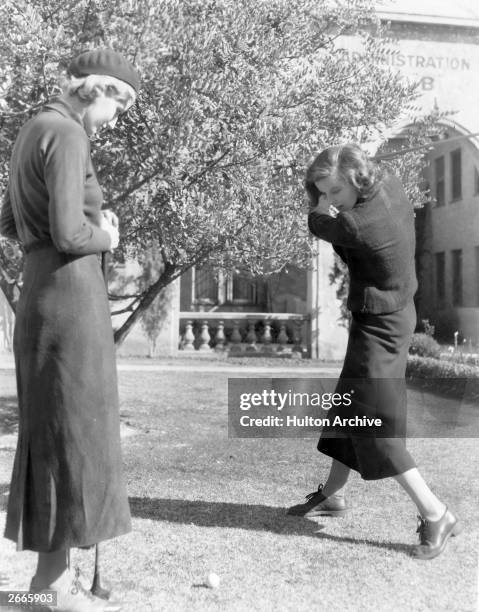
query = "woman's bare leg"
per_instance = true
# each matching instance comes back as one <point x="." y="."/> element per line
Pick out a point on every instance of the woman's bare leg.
<point x="429" y="506"/>
<point x="328" y="500"/>
<point x="337" y="479"/>
<point x="50" y="566"/>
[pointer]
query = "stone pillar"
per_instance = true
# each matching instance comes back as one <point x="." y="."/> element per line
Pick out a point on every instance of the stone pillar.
<point x="328" y="336"/>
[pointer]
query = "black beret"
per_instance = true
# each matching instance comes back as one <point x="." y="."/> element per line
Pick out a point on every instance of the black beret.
<point x="106" y="62"/>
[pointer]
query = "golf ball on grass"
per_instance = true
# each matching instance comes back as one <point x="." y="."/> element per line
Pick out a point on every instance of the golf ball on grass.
<point x="213" y="580"/>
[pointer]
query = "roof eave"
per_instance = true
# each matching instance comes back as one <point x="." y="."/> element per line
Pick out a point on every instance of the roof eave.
<point x="428" y="19"/>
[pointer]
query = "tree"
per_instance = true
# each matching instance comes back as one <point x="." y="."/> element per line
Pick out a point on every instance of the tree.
<point x="237" y="97"/>
<point x="153" y="317"/>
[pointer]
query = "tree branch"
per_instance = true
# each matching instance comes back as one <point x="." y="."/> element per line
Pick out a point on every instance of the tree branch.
<point x="148" y="297"/>
<point x="23" y="112"/>
<point x="118" y="298"/>
<point x="129" y="308"/>
<point x="61" y="6"/>
<point x="135" y="187"/>
<point x="211" y="164"/>
<point x="87" y="14"/>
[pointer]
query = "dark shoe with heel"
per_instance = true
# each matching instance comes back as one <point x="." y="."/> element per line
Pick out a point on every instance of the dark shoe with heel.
<point x="433" y="535"/>
<point x="72" y="596"/>
<point x="319" y="505"/>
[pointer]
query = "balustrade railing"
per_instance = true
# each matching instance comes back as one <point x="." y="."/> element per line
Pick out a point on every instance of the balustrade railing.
<point x="243" y="332"/>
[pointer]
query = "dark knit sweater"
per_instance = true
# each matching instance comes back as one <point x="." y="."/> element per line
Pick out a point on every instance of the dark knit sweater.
<point x="53" y="193"/>
<point x="376" y="239"/>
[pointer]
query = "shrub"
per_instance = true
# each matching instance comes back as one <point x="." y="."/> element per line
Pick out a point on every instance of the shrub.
<point x="450" y="378"/>
<point x="427" y="367"/>
<point x="427" y="328"/>
<point x="460" y="357"/>
<point x="424" y="345"/>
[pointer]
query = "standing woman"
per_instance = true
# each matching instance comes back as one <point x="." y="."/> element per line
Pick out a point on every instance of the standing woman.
<point x="367" y="217"/>
<point x="67" y="487"/>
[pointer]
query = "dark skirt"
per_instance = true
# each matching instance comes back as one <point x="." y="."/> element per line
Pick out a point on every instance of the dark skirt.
<point x="67" y="487"/>
<point x="374" y="366"/>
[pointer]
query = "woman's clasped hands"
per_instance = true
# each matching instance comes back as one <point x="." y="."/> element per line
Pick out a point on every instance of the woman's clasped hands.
<point x="109" y="222"/>
<point x="323" y="207"/>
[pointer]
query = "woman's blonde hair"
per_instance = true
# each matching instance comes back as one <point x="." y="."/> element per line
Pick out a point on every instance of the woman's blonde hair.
<point x="88" y="88"/>
<point x="350" y="163"/>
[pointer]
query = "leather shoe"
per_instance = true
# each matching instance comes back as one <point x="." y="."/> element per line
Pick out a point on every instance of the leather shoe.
<point x="318" y="505"/>
<point x="72" y="596"/>
<point x="433" y="535"/>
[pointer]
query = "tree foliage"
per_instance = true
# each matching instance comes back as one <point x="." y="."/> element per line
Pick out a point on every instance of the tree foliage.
<point x="237" y="98"/>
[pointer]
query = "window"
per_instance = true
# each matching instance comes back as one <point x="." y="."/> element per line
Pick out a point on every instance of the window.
<point x="457" y="277"/>
<point x="213" y="288"/>
<point x="456" y="175"/>
<point x="241" y="289"/>
<point x="476" y="182"/>
<point x="440" y="279"/>
<point x="440" y="181"/>
<point x="206" y="286"/>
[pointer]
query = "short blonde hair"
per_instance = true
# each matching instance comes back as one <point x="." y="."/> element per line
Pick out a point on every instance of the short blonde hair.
<point x="350" y="163"/>
<point x="88" y="88"/>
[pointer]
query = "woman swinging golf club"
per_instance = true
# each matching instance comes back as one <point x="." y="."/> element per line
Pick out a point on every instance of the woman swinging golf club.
<point x="364" y="212"/>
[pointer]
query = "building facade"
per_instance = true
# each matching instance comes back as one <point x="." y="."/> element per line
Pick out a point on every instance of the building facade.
<point x="438" y="45"/>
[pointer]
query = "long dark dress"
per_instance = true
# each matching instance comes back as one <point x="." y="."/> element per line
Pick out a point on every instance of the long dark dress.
<point x="374" y="367"/>
<point x="376" y="239"/>
<point x="67" y="486"/>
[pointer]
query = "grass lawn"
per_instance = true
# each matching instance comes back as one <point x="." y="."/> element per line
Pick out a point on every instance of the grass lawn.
<point x="204" y="503"/>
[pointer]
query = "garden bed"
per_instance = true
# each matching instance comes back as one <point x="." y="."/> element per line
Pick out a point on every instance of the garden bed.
<point x="444" y="376"/>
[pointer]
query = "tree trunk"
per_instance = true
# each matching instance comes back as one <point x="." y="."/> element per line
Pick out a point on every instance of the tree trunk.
<point x="151" y="347"/>
<point x="149" y="296"/>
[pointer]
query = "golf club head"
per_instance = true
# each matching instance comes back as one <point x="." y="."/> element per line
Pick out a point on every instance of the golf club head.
<point x="99" y="591"/>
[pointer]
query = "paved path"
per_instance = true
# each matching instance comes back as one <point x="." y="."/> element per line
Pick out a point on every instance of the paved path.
<point x="231" y="369"/>
<point x="316" y="370"/>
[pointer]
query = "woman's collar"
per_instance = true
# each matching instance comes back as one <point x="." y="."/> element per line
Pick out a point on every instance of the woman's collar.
<point x="61" y="106"/>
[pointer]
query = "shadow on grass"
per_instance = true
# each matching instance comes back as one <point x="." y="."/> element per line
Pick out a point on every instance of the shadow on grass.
<point x="253" y="517"/>
<point x="8" y="415"/>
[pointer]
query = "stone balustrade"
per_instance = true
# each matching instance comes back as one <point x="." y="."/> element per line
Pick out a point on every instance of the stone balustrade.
<point x="243" y="332"/>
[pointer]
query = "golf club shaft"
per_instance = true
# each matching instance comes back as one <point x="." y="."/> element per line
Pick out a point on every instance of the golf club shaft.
<point x="96" y="585"/>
